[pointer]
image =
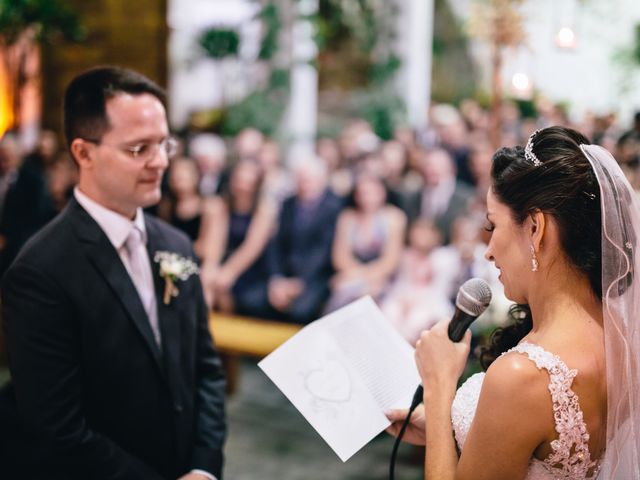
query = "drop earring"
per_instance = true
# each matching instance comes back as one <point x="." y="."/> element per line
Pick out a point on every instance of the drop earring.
<point x="534" y="260"/>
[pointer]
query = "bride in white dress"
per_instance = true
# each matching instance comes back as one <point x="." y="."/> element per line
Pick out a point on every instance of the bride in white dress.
<point x="560" y="398"/>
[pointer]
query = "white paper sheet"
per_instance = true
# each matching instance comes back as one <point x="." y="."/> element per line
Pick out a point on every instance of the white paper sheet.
<point x="343" y="371"/>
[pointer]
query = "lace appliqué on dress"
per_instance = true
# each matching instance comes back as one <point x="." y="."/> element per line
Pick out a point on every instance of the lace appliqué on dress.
<point x="570" y="458"/>
<point x="464" y="406"/>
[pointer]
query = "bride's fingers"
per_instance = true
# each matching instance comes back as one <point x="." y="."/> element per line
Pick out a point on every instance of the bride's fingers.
<point x="397" y="415"/>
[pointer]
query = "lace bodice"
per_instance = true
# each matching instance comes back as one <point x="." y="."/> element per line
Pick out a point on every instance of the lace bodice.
<point x="570" y="458"/>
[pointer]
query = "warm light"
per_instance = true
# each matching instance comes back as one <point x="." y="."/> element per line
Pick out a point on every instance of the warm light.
<point x="521" y="81"/>
<point x="566" y="38"/>
<point x="521" y="86"/>
<point x="6" y="112"/>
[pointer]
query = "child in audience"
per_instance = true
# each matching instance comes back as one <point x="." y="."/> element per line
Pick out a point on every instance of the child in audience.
<point x="415" y="301"/>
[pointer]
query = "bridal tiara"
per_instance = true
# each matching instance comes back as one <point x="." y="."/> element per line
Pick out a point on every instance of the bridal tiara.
<point x="528" y="150"/>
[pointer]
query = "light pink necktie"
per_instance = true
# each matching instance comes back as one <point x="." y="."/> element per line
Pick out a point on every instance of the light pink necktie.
<point x="140" y="272"/>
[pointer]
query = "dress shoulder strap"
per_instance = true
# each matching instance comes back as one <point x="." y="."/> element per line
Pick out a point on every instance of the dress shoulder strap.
<point x="570" y="457"/>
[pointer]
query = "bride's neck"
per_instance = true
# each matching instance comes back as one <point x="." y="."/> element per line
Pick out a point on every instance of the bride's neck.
<point x="563" y="298"/>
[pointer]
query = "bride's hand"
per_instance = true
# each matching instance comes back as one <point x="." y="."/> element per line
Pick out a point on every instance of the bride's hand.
<point x="415" y="433"/>
<point x="440" y="361"/>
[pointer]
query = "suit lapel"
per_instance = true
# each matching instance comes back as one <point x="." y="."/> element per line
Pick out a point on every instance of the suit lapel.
<point x="105" y="258"/>
<point x="168" y="316"/>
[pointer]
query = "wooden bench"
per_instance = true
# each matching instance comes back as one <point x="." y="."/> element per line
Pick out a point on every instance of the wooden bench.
<point x="236" y="336"/>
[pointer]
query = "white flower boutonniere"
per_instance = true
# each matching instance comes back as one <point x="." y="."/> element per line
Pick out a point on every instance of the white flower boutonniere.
<point x="173" y="267"/>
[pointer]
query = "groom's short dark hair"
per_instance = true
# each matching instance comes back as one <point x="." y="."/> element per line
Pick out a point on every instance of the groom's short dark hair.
<point x="86" y="96"/>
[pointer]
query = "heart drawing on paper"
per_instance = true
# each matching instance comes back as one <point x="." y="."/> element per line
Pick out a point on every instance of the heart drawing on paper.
<point x="330" y="383"/>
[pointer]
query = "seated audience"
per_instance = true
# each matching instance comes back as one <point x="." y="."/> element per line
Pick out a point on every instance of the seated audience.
<point x="368" y="243"/>
<point x="300" y="253"/>
<point x="210" y="154"/>
<point x="237" y="229"/>
<point x="442" y="198"/>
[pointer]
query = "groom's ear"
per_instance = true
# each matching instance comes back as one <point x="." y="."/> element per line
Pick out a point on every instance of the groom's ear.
<point x="81" y="152"/>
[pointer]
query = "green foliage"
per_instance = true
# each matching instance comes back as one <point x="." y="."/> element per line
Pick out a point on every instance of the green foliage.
<point x="527" y="108"/>
<point x="383" y="72"/>
<point x="382" y="109"/>
<point x="261" y="110"/>
<point x="279" y="79"/>
<point x="48" y="19"/>
<point x="270" y="15"/>
<point x="453" y="73"/>
<point x="636" y="46"/>
<point x="220" y="42"/>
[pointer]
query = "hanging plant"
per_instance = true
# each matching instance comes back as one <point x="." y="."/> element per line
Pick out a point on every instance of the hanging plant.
<point x="219" y="43"/>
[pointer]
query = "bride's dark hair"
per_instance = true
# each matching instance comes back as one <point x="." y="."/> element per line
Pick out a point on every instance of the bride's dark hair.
<point x="564" y="186"/>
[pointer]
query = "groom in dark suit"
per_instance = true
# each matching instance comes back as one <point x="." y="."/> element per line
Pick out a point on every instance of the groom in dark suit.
<point x="113" y="367"/>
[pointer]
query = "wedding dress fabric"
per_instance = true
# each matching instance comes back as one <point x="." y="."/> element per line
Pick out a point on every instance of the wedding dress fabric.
<point x="570" y="458"/>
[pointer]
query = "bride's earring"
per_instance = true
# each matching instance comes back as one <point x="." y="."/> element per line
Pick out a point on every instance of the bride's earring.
<point x="534" y="260"/>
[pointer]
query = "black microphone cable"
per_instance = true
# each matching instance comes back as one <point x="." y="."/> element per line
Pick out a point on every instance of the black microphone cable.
<point x="472" y="299"/>
<point x="417" y="400"/>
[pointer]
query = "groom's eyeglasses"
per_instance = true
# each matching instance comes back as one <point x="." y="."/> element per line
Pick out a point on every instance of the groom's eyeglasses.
<point x="144" y="151"/>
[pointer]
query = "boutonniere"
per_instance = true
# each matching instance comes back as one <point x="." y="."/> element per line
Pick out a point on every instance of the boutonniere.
<point x="173" y="267"/>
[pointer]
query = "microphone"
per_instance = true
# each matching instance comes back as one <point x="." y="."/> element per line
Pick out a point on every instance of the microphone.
<point x="472" y="300"/>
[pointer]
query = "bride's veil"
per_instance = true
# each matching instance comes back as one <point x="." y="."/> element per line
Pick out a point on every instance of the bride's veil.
<point x="621" y="313"/>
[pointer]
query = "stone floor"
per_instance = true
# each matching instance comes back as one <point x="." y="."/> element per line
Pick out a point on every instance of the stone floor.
<point x="269" y="440"/>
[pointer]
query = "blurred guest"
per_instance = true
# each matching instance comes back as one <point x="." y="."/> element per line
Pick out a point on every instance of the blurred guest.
<point x="248" y="143"/>
<point x="300" y="253"/>
<point x="480" y="158"/>
<point x="398" y="176"/>
<point x="237" y="229"/>
<point x="46" y="149"/>
<point x="277" y="183"/>
<point x="627" y="153"/>
<point x="463" y="259"/>
<point x="368" y="243"/>
<point x="406" y="136"/>
<point x="475" y="117"/>
<point x="27" y="206"/>
<point x="63" y="176"/>
<point x="452" y="134"/>
<point x="9" y="163"/>
<point x="357" y="139"/>
<point x="210" y="154"/>
<point x="340" y="177"/>
<point x="184" y="207"/>
<point x="442" y="198"/>
<point x="395" y="164"/>
<point x="414" y="303"/>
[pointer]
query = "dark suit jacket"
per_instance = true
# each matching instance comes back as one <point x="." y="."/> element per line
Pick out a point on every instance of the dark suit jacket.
<point x="97" y="398"/>
<point x="304" y="250"/>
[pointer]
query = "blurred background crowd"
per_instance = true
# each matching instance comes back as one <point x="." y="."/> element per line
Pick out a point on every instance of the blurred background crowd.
<point x="402" y="219"/>
<point x="328" y="149"/>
